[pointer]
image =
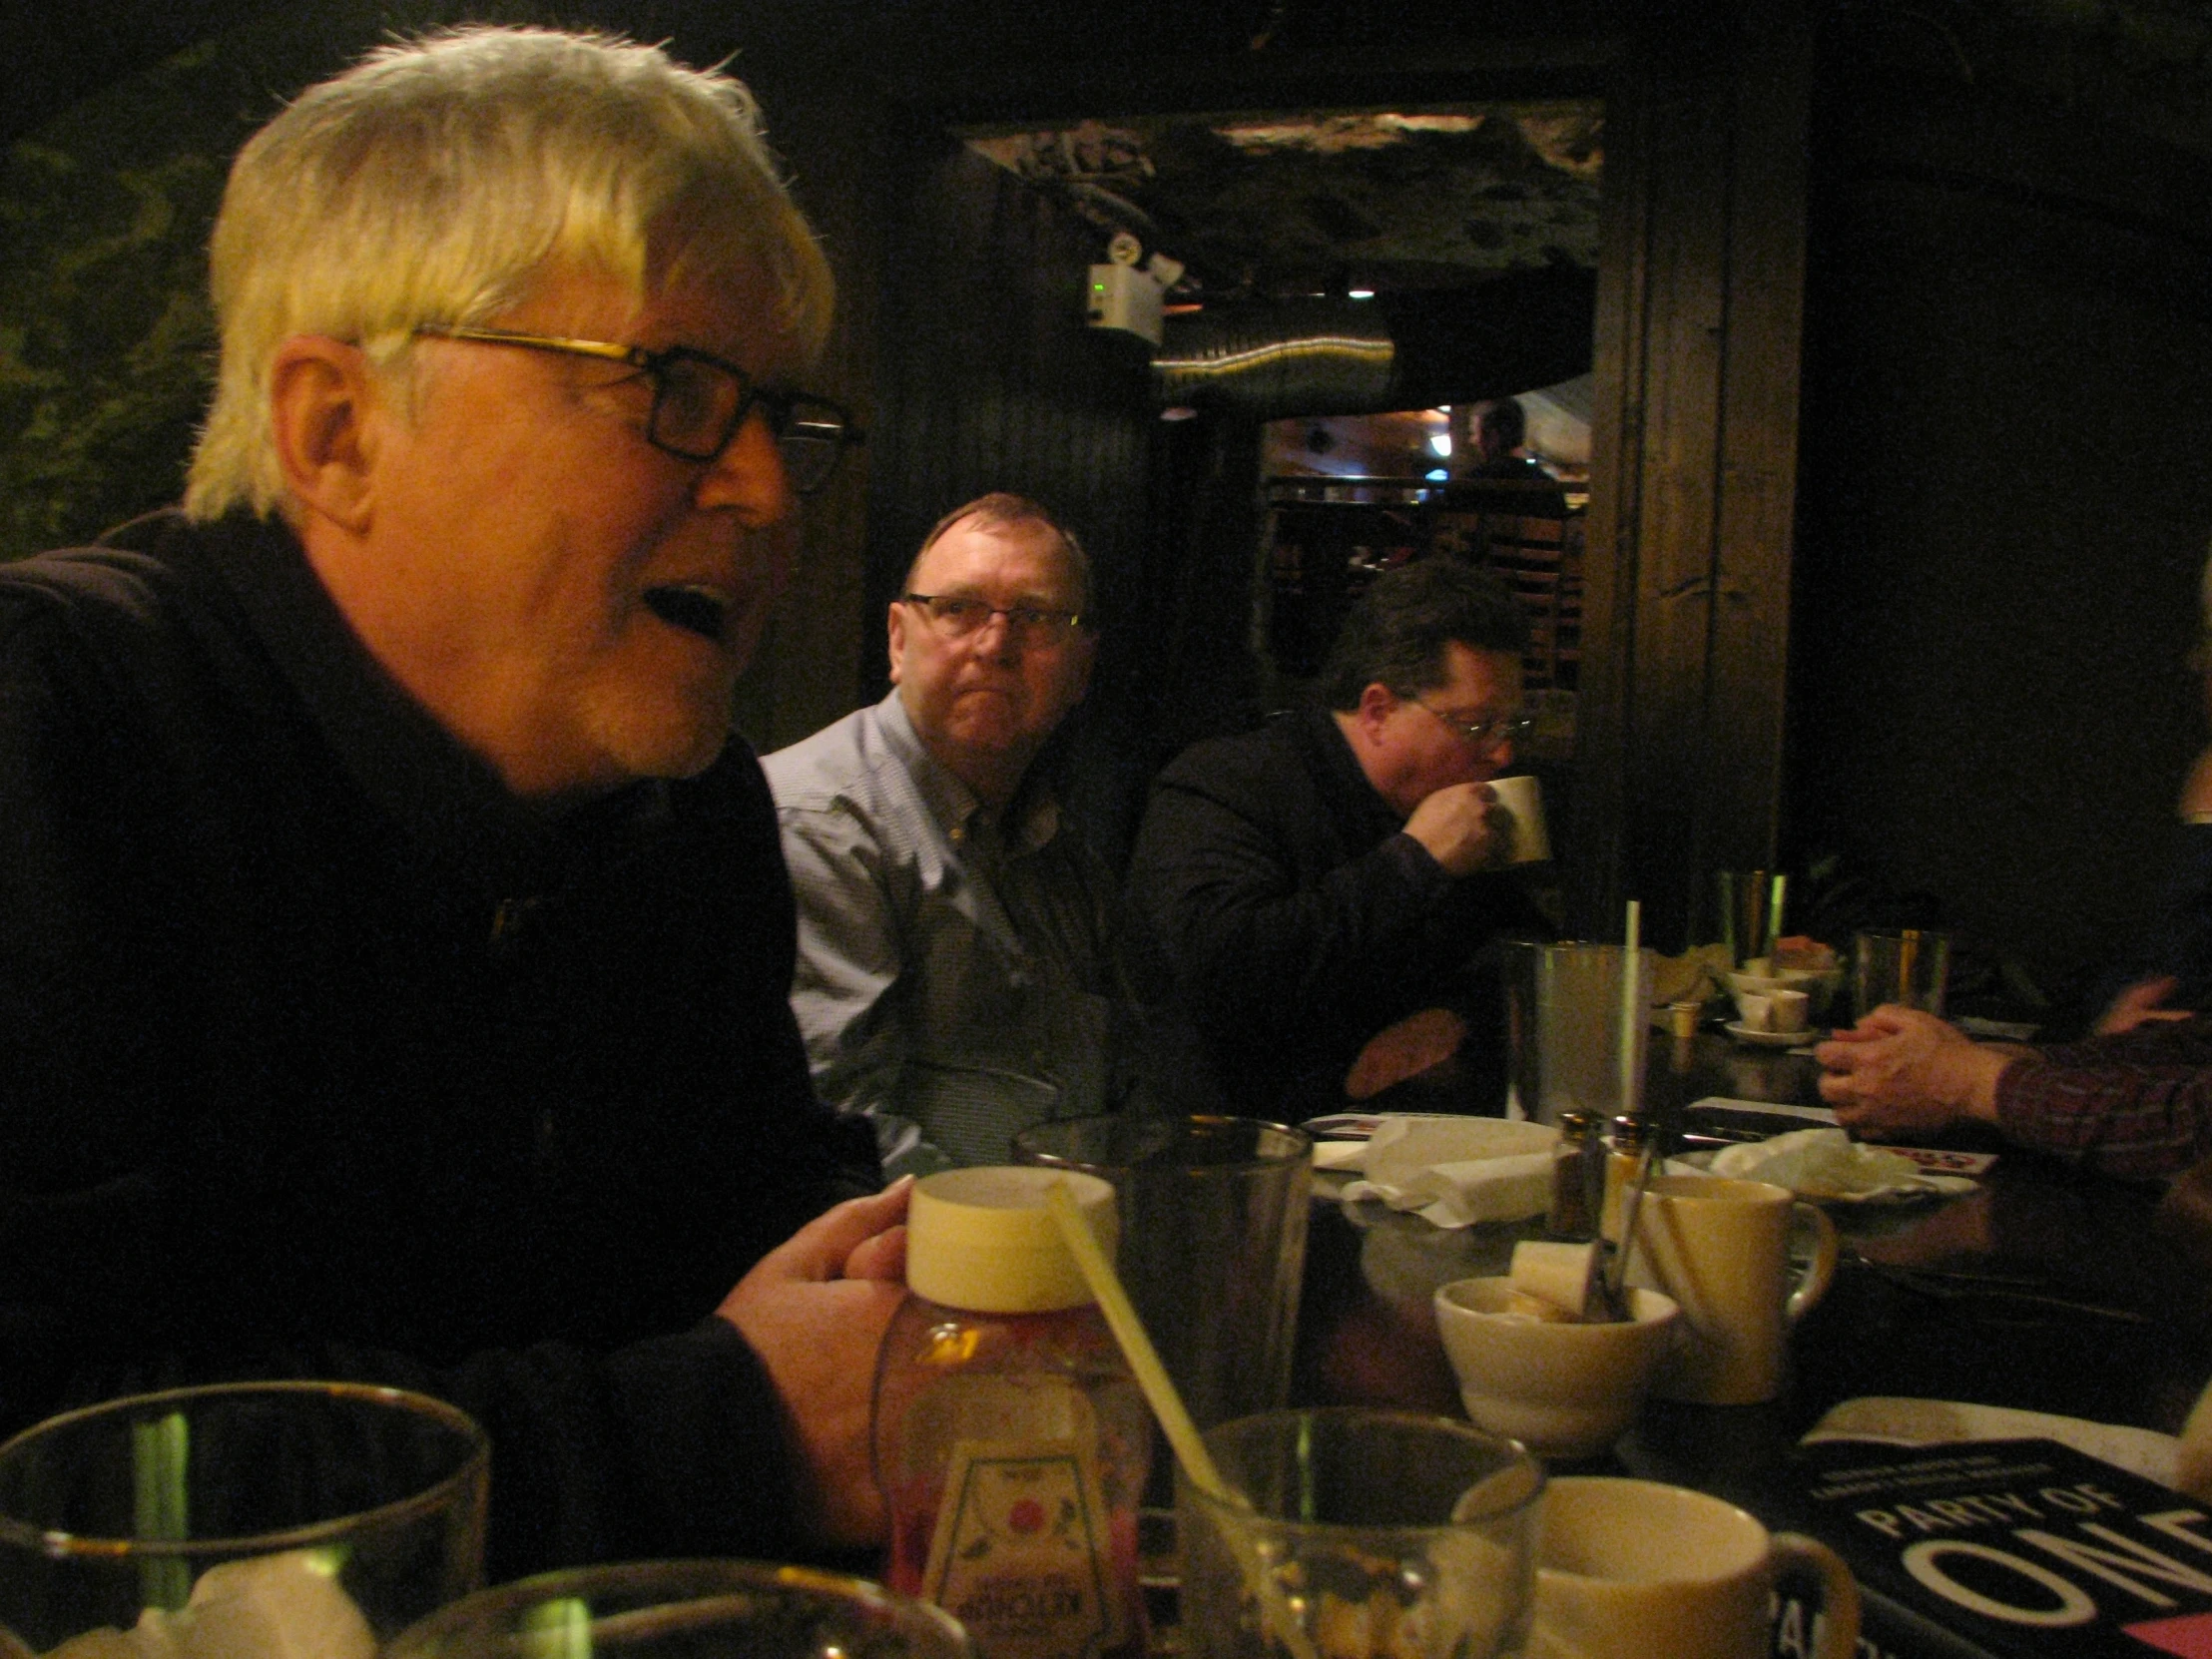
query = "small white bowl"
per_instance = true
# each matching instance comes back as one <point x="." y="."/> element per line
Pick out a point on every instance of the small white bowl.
<point x="1565" y="1390"/>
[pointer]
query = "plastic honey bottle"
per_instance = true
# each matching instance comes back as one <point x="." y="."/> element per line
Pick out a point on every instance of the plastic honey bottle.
<point x="1010" y="1440"/>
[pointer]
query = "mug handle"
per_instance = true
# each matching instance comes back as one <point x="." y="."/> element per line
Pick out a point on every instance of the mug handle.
<point x="1838" y="1622"/>
<point x="1820" y="1271"/>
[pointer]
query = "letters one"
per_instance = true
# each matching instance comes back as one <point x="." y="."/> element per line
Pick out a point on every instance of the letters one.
<point x="2055" y="1600"/>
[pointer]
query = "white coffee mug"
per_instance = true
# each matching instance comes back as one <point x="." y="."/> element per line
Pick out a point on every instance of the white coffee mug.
<point x="1631" y="1570"/>
<point x="1522" y="797"/>
<point x="1721" y="1250"/>
<point x="1788" y="1010"/>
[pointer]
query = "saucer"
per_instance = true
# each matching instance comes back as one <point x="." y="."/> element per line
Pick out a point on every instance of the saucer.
<point x="1771" y="1039"/>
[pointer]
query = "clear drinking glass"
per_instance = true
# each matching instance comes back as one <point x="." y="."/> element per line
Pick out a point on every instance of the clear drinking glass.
<point x="1905" y="965"/>
<point x="1750" y="906"/>
<point x="1369" y="1536"/>
<point x="1212" y="1244"/>
<point x="244" y="1518"/>
<point x="1564" y="1028"/>
<point x="686" y="1610"/>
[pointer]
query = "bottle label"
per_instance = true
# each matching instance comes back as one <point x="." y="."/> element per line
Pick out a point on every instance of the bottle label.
<point x="1021" y="1553"/>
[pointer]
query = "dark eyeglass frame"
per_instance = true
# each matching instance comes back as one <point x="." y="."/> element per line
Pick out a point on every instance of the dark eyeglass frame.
<point x="1484" y="733"/>
<point x="817" y="422"/>
<point x="1031" y="622"/>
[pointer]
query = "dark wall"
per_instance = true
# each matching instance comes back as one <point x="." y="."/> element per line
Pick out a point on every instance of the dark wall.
<point x="989" y="378"/>
<point x="2005" y="512"/>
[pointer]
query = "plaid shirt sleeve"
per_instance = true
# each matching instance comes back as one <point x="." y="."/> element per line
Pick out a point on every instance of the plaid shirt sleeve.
<point x="2137" y="1105"/>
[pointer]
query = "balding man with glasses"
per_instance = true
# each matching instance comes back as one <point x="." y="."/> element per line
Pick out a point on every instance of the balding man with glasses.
<point x="395" y="949"/>
<point x="1315" y="901"/>
<point x="956" y="973"/>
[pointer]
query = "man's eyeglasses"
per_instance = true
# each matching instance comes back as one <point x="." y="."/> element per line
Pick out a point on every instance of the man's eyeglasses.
<point x="958" y="615"/>
<point x="1482" y="733"/>
<point x="699" y="401"/>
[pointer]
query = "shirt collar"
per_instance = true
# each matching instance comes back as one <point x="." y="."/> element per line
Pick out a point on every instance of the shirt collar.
<point x="1034" y="810"/>
<point x="1345" y="778"/>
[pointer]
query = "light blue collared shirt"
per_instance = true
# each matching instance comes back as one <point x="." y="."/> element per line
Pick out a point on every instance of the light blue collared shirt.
<point x="955" y="977"/>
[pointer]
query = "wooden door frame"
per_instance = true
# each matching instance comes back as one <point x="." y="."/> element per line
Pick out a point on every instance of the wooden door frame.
<point x="1693" y="470"/>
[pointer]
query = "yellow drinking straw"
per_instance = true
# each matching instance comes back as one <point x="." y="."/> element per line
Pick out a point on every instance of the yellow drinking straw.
<point x="1167" y="1406"/>
<point x="1129" y="1331"/>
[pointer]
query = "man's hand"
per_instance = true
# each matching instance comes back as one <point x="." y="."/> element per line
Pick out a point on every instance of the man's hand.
<point x="1899" y="1069"/>
<point x="815" y="1309"/>
<point x="2141" y="1004"/>
<point x="1406" y="1049"/>
<point x="1461" y="827"/>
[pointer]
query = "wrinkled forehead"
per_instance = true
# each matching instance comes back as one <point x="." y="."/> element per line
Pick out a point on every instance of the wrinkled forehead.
<point x="1479" y="679"/>
<point x="979" y="551"/>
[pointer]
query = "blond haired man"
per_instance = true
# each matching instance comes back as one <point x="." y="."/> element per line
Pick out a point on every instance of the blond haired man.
<point x="395" y="968"/>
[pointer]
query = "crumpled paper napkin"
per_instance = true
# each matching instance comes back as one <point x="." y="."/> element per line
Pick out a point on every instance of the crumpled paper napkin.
<point x="1455" y="1172"/>
<point x="1829" y="1164"/>
<point x="285" y="1606"/>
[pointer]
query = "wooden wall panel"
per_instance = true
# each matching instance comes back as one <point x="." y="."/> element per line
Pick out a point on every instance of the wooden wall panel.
<point x="989" y="378"/>
<point x="1694" y="451"/>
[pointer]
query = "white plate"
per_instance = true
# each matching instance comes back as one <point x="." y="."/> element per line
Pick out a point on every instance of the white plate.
<point x="1771" y="1039"/>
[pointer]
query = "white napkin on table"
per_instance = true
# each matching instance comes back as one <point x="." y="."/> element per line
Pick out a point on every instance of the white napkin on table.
<point x="1455" y="1172"/>
<point x="285" y="1606"/>
<point x="1828" y="1164"/>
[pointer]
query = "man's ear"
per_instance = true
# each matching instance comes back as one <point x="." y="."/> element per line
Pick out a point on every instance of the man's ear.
<point x="897" y="639"/>
<point x="321" y="398"/>
<point x="1377" y="703"/>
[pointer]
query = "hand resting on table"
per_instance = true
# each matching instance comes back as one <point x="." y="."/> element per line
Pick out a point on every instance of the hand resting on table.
<point x="1900" y="1070"/>
<point x="815" y="1309"/>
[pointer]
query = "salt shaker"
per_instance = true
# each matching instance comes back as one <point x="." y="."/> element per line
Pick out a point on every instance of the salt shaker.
<point x="1620" y="1172"/>
<point x="1572" y="1214"/>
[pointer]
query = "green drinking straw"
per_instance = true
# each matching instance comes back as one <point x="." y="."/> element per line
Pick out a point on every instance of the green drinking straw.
<point x="161" y="1449"/>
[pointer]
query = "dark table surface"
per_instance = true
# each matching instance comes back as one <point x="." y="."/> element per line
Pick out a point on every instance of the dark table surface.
<point x="2046" y="1289"/>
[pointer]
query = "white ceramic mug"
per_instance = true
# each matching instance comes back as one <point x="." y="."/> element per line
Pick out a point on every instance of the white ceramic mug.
<point x="1631" y="1570"/>
<point x="1721" y="1250"/>
<point x="1522" y="797"/>
<point x="1775" y="1010"/>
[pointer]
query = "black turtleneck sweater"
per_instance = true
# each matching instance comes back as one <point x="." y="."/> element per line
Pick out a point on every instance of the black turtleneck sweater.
<point x="320" y="1054"/>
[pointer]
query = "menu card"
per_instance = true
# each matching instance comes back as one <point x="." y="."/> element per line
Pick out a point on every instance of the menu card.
<point x="1999" y="1549"/>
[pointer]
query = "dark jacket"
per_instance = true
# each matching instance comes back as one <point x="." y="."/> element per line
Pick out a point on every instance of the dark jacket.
<point x="1284" y="913"/>
<point x="319" y="1056"/>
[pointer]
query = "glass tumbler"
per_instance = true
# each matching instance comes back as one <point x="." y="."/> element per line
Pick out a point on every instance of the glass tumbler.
<point x="686" y="1610"/>
<point x="1367" y="1534"/>
<point x="243" y="1518"/>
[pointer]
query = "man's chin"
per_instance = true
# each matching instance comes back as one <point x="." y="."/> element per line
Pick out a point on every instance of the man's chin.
<point x="670" y="745"/>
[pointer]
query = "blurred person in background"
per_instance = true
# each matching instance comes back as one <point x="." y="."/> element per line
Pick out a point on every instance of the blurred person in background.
<point x="1490" y="444"/>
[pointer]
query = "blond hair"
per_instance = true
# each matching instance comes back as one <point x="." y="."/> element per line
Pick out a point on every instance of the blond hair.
<point x="441" y="179"/>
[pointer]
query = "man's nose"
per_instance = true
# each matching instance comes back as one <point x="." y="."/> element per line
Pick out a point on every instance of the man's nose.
<point x="996" y="637"/>
<point x="749" y="476"/>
